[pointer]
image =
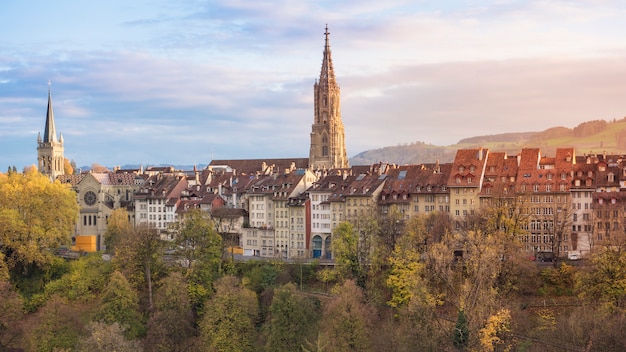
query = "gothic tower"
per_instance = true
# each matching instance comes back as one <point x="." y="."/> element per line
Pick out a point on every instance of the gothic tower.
<point x="328" y="147"/>
<point x="50" y="157"/>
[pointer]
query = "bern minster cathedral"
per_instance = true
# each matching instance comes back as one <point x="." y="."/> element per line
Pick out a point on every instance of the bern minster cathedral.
<point x="328" y="147"/>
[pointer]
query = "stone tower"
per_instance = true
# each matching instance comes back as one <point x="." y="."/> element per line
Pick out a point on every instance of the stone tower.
<point x="50" y="157"/>
<point x="328" y="147"/>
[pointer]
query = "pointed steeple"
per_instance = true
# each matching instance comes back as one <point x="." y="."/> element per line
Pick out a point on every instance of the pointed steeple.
<point x="50" y="133"/>
<point x="50" y="157"/>
<point x="327" y="74"/>
<point x="328" y="148"/>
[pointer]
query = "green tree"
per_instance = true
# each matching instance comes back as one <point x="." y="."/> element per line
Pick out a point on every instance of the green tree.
<point x="230" y="317"/>
<point x="119" y="304"/>
<point x="460" y="335"/>
<point x="259" y="276"/>
<point x="118" y="227"/>
<point x="140" y="257"/>
<point x="36" y="215"/>
<point x="606" y="280"/>
<point x="199" y="249"/>
<point x="291" y="321"/>
<point x="87" y="277"/>
<point x="345" y="244"/>
<point x="171" y="326"/>
<point x="347" y="320"/>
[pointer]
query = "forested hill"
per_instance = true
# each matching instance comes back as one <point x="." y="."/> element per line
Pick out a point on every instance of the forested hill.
<point x="596" y="136"/>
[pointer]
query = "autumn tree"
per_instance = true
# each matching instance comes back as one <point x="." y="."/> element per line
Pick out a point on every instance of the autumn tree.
<point x="347" y="320"/>
<point x="292" y="319"/>
<point x="120" y="304"/>
<point x="36" y="215"/>
<point x="105" y="338"/>
<point x="95" y="167"/>
<point x="495" y="332"/>
<point x="230" y="317"/>
<point x="68" y="167"/>
<point x="171" y="326"/>
<point x="12" y="313"/>
<point x="118" y="226"/>
<point x="56" y="327"/>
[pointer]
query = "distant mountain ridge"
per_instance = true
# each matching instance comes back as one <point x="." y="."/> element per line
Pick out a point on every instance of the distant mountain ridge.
<point x="596" y="136"/>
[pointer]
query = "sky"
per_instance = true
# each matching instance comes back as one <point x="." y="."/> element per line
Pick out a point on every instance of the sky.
<point x="186" y="82"/>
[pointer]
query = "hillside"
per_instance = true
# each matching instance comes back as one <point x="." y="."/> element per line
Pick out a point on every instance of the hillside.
<point x="595" y="136"/>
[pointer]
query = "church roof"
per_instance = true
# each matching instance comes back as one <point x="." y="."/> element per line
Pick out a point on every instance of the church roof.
<point x="49" y="134"/>
<point x="253" y="166"/>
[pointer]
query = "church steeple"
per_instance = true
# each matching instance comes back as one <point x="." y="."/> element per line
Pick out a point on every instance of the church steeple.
<point x="50" y="159"/>
<point x="49" y="134"/>
<point x="327" y="73"/>
<point x="328" y="148"/>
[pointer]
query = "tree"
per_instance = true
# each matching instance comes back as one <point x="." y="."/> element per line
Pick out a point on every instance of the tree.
<point x="606" y="281"/>
<point x="140" y="257"/>
<point x="352" y="249"/>
<point x="291" y="320"/>
<point x="36" y="215"/>
<point x="347" y="320"/>
<point x="105" y="338"/>
<point x="230" y="317"/>
<point x="119" y="304"/>
<point x="495" y="330"/>
<point x="68" y="168"/>
<point x="118" y="227"/>
<point x="95" y="167"/>
<point x="57" y="327"/>
<point x="87" y="277"/>
<point x="12" y="313"/>
<point x="171" y="326"/>
<point x="199" y="249"/>
<point x="460" y="335"/>
<point x="406" y="276"/>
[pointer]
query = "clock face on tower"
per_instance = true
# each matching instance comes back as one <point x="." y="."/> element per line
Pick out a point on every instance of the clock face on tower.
<point x="90" y="198"/>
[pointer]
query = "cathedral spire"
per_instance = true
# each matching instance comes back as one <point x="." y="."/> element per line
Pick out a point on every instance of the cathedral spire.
<point x="328" y="148"/>
<point x="327" y="74"/>
<point x="50" y="133"/>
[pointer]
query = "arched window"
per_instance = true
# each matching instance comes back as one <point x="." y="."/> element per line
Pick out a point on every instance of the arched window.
<point x="325" y="100"/>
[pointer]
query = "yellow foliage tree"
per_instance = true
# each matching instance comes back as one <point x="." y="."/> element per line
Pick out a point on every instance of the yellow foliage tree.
<point x="36" y="216"/>
<point x="494" y="332"/>
<point x="67" y="167"/>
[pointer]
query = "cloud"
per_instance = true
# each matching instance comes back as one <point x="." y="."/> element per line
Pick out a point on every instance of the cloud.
<point x="185" y="82"/>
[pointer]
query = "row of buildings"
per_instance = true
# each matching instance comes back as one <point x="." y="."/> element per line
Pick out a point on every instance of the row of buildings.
<point x="282" y="208"/>
<point x="563" y="204"/>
